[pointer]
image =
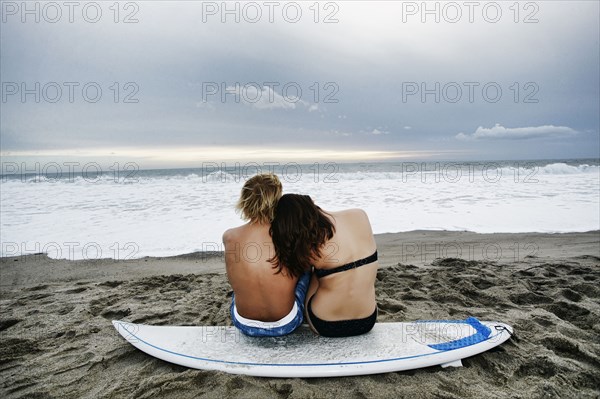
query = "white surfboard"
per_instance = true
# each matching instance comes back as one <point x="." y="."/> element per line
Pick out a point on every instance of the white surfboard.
<point x="388" y="347"/>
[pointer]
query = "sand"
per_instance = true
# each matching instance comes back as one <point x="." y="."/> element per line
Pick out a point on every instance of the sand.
<point x="56" y="339"/>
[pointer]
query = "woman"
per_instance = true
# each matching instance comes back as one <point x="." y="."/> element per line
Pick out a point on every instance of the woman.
<point x="341" y="248"/>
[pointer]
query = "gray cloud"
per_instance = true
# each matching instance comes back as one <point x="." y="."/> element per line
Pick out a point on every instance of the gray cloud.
<point x="266" y="98"/>
<point x="377" y="132"/>
<point x="351" y="73"/>
<point x="499" y="132"/>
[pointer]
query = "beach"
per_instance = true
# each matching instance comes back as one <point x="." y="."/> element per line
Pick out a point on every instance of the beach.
<point x="467" y="132"/>
<point x="57" y="340"/>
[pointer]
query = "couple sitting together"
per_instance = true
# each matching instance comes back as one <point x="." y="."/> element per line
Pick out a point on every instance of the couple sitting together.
<point x="292" y="256"/>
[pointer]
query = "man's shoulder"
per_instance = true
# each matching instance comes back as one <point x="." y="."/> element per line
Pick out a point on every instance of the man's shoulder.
<point x="246" y="232"/>
<point x="232" y="234"/>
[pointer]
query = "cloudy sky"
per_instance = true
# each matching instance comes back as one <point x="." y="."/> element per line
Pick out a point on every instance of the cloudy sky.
<point x="184" y="82"/>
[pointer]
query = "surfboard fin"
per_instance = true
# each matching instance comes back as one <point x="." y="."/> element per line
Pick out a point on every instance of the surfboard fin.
<point x="456" y="363"/>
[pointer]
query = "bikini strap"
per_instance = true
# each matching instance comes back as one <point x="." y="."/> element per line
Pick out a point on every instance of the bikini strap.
<point x="352" y="265"/>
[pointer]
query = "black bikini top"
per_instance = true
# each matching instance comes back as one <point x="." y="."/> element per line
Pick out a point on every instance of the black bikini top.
<point x="352" y="265"/>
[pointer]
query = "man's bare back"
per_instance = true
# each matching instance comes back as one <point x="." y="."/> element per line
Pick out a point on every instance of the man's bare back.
<point x="260" y="294"/>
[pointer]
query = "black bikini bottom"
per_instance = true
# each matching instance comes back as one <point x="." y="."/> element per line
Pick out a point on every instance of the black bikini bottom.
<point x="341" y="328"/>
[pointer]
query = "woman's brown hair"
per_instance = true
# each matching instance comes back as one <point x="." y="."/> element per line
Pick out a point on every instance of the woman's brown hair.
<point x="299" y="230"/>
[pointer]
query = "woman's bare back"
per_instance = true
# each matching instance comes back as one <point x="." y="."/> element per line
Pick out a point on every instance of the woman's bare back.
<point x="348" y="294"/>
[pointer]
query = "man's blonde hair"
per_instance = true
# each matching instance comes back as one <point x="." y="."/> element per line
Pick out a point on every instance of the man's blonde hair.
<point x="259" y="198"/>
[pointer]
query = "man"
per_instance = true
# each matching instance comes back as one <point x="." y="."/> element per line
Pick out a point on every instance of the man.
<point x="265" y="302"/>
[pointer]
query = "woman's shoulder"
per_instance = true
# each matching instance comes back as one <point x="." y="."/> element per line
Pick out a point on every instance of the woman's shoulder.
<point x="354" y="216"/>
<point x="352" y="213"/>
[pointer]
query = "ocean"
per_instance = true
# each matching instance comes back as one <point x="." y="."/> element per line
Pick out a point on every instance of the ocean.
<point x="121" y="212"/>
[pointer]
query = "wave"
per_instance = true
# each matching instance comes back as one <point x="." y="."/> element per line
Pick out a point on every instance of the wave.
<point x="397" y="171"/>
<point x="564" y="169"/>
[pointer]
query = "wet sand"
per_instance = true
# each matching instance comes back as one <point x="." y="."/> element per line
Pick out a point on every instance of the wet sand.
<point x="56" y="339"/>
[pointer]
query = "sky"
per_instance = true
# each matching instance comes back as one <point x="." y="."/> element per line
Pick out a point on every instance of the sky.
<point x="178" y="83"/>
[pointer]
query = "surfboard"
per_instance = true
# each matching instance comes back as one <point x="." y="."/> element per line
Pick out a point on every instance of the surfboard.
<point x="387" y="347"/>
